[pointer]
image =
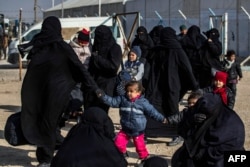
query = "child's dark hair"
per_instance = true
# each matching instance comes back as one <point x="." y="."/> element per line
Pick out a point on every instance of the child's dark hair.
<point x="230" y="53"/>
<point x="195" y="95"/>
<point x="132" y="83"/>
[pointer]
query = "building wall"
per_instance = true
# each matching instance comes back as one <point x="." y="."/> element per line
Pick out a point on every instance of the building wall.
<point x="196" y="11"/>
<point x="88" y="11"/>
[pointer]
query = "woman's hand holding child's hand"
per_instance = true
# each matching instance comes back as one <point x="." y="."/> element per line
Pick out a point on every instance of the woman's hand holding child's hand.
<point x="99" y="93"/>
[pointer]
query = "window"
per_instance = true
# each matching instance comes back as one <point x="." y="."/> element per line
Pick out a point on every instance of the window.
<point x="31" y="34"/>
<point x="92" y="30"/>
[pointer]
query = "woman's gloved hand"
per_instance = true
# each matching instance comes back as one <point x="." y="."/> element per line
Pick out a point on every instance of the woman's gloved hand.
<point x="199" y="118"/>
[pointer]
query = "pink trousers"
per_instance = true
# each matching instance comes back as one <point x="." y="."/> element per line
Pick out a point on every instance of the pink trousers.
<point x="122" y="140"/>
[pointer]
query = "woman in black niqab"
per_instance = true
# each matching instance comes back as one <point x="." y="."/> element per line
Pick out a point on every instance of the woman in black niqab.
<point x="50" y="32"/>
<point x="103" y="66"/>
<point x="169" y="78"/>
<point x="205" y="143"/>
<point x="52" y="73"/>
<point x="192" y="44"/>
<point x="90" y="143"/>
<point x="143" y="39"/>
<point x="103" y="40"/>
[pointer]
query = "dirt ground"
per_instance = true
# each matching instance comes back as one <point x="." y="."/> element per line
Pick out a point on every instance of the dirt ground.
<point x="10" y="102"/>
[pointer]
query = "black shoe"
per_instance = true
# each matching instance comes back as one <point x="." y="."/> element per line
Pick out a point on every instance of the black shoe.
<point x="175" y="141"/>
<point x="125" y="155"/>
<point x="142" y="163"/>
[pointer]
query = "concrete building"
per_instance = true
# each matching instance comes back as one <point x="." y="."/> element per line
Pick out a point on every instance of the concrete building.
<point x="173" y="13"/>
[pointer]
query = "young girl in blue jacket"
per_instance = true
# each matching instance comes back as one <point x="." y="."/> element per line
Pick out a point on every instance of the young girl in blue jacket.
<point x="133" y="108"/>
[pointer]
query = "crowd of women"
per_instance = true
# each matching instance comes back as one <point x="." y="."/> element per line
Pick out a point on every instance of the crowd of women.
<point x="168" y="67"/>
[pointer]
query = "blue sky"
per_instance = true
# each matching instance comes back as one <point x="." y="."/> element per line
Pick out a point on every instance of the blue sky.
<point x="10" y="8"/>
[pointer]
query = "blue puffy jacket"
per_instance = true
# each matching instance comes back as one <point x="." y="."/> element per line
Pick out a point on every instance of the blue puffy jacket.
<point x="133" y="119"/>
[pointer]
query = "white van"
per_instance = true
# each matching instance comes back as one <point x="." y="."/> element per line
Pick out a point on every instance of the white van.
<point x="69" y="27"/>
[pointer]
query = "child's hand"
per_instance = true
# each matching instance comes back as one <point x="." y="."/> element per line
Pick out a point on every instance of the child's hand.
<point x="165" y="121"/>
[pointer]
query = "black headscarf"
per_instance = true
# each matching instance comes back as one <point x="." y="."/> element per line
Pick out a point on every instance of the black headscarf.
<point x="99" y="120"/>
<point x="155" y="34"/>
<point x="194" y="37"/>
<point x="50" y="32"/>
<point x="103" y="39"/>
<point x="213" y="34"/>
<point x="168" y="38"/>
<point x="142" y="33"/>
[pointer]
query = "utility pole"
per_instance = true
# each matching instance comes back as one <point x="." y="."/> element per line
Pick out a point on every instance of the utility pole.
<point x="62" y="11"/>
<point x="100" y="8"/>
<point x="248" y="15"/>
<point x="169" y="12"/>
<point x="35" y="11"/>
<point x="20" y="41"/>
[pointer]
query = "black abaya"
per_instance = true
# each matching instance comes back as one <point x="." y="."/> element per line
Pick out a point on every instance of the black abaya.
<point x="169" y="79"/>
<point x="90" y="144"/>
<point x="205" y="144"/>
<point x="52" y="73"/>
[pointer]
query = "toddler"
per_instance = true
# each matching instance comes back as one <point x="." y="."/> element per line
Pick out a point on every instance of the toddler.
<point x="219" y="87"/>
<point x="133" y="66"/>
<point x="133" y="108"/>
<point x="233" y="70"/>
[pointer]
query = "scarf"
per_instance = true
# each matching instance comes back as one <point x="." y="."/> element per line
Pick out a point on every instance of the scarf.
<point x="222" y="92"/>
<point x="135" y="98"/>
